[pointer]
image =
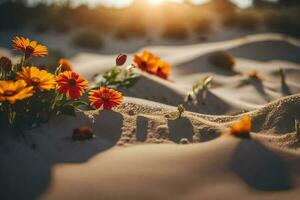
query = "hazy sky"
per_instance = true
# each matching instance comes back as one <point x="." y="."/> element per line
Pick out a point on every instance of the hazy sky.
<point x="124" y="3"/>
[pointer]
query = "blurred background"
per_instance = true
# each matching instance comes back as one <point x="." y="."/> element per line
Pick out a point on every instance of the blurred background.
<point x="68" y="27"/>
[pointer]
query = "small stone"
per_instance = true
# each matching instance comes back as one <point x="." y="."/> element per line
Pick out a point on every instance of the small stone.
<point x="83" y="133"/>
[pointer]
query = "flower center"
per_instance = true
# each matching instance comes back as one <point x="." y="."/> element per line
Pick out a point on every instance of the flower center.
<point x="105" y="97"/>
<point x="8" y="93"/>
<point x="28" y="51"/>
<point x="35" y="81"/>
<point x="144" y="64"/>
<point x="72" y="82"/>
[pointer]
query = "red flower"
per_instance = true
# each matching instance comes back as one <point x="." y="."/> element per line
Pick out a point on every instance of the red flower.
<point x="71" y="84"/>
<point x="105" y="97"/>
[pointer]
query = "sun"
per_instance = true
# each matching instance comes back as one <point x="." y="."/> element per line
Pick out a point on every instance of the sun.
<point x="155" y="2"/>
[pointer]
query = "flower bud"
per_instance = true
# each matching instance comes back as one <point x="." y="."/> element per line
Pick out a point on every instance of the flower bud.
<point x="5" y="63"/>
<point x="65" y="64"/>
<point x="121" y="59"/>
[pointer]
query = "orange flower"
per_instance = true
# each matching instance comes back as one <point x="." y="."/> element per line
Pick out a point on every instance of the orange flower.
<point x="146" y="62"/>
<point x="105" y="97"/>
<point x="65" y="64"/>
<point x="163" y="69"/>
<point x="39" y="79"/>
<point x="255" y="75"/>
<point x="13" y="91"/>
<point x="242" y="128"/>
<point x="152" y="64"/>
<point x="29" y="48"/>
<point x="71" y="84"/>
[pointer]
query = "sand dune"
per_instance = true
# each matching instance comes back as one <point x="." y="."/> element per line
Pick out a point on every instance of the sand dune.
<point x="265" y="53"/>
<point x="140" y="149"/>
<point x="237" y="166"/>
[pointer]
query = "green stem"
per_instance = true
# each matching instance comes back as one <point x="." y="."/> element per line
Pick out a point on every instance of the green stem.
<point x="11" y="114"/>
<point x="58" y="70"/>
<point x="55" y="99"/>
<point x="23" y="62"/>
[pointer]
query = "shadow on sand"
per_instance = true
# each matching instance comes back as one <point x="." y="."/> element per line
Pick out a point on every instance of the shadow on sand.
<point x="180" y="128"/>
<point x="141" y="128"/>
<point x="25" y="171"/>
<point x="258" y="85"/>
<point x="259" y="167"/>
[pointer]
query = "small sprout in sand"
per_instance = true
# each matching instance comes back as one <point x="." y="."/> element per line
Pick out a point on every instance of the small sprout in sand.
<point x="297" y="126"/>
<point x="83" y="133"/>
<point x="203" y="85"/>
<point x="242" y="128"/>
<point x="184" y="141"/>
<point x="191" y="97"/>
<point x="282" y="76"/>
<point x="255" y="75"/>
<point x="181" y="110"/>
<point x="222" y="59"/>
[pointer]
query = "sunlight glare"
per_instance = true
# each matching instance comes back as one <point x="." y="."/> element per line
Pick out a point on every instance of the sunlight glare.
<point x="155" y="2"/>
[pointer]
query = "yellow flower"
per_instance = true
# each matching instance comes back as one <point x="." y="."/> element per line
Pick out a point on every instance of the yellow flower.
<point x="39" y="79"/>
<point x="13" y="91"/>
<point x="29" y="48"/>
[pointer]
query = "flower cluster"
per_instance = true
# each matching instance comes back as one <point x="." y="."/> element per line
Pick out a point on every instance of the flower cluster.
<point x="29" y="94"/>
<point x="152" y="64"/>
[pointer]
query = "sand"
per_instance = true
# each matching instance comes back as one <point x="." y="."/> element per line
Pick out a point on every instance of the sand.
<point x="143" y="151"/>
